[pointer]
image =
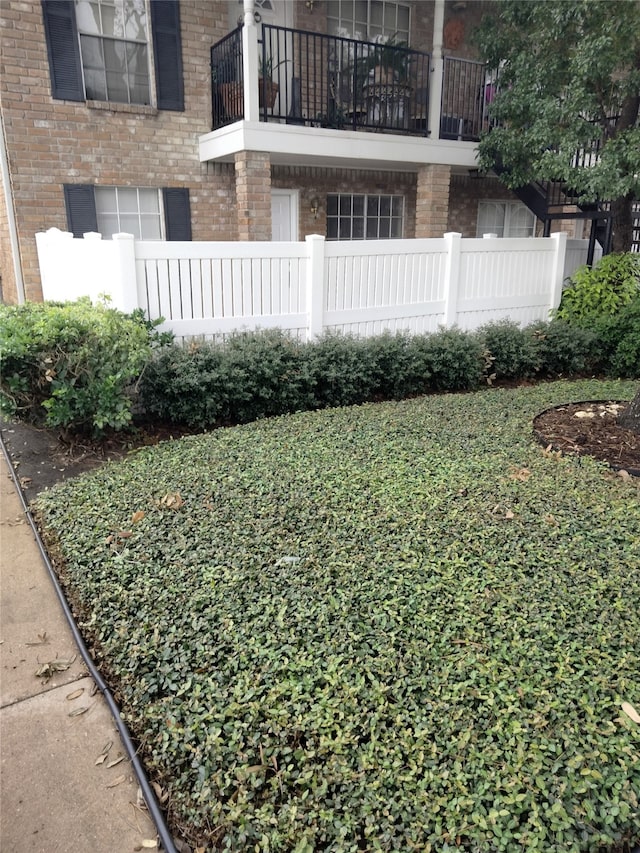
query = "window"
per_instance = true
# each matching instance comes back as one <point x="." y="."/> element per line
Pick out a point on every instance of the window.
<point x="506" y="219"/>
<point x="148" y="214"/>
<point x="369" y="20"/>
<point x="100" y="50"/>
<point x="364" y="217"/>
<point x="114" y="50"/>
<point x="129" y="209"/>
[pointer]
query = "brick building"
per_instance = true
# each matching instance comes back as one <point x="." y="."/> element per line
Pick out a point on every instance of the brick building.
<point x="154" y="117"/>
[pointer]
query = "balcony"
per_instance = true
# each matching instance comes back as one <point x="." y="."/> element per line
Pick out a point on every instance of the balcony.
<point x="311" y="92"/>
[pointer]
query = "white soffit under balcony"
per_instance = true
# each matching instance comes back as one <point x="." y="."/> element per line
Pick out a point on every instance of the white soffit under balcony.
<point x="313" y="146"/>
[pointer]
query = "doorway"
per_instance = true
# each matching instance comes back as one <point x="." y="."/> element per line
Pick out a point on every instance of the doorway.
<point x="284" y="215"/>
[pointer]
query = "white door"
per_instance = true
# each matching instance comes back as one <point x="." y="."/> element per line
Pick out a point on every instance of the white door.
<point x="284" y="215"/>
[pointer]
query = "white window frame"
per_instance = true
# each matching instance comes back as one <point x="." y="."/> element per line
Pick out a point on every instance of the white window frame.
<point x="119" y="213"/>
<point x="369" y="216"/>
<point x="101" y="37"/>
<point x="348" y="26"/>
<point x="510" y="208"/>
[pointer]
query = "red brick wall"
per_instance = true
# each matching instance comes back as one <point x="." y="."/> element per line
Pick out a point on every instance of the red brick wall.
<point x="465" y="194"/>
<point x="316" y="183"/>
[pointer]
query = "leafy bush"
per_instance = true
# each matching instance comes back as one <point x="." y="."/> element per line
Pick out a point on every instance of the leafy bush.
<point x="512" y="350"/>
<point x="399" y="368"/>
<point x="393" y="627"/>
<point x="454" y="359"/>
<point x="188" y="385"/>
<point x="564" y="350"/>
<point x="257" y="374"/>
<point x="600" y="291"/>
<point x="619" y="336"/>
<point x="271" y="375"/>
<point x="68" y="365"/>
<point x="342" y="369"/>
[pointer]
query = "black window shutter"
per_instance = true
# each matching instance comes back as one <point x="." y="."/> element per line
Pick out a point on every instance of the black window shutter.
<point x="63" y="50"/>
<point x="167" y="51"/>
<point x="80" y="202"/>
<point x="177" y="213"/>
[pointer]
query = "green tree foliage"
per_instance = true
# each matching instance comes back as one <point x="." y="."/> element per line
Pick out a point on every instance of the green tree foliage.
<point x="569" y="77"/>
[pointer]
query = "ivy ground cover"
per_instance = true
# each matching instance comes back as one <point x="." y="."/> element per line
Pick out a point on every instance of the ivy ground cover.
<point x="399" y="626"/>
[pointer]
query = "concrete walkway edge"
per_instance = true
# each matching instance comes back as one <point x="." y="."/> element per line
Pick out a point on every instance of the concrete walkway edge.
<point x="66" y="782"/>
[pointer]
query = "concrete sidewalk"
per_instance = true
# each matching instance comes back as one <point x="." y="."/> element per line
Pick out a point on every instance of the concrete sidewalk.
<point x="57" y="792"/>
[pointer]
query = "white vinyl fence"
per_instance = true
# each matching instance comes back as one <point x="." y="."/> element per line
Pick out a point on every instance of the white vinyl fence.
<point x="206" y="289"/>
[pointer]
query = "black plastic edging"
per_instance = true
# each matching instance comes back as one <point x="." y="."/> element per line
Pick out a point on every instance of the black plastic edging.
<point x="148" y="793"/>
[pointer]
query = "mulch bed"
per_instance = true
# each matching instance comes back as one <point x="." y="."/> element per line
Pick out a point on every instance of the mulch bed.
<point x="590" y="428"/>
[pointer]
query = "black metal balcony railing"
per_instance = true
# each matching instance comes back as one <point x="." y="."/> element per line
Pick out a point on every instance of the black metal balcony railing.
<point x="319" y="80"/>
<point x="227" y="89"/>
<point x="467" y="93"/>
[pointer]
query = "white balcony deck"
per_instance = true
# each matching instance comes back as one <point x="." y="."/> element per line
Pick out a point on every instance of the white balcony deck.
<point x="316" y="146"/>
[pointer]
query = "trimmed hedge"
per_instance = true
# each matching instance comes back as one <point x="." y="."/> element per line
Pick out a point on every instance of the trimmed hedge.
<point x="260" y="374"/>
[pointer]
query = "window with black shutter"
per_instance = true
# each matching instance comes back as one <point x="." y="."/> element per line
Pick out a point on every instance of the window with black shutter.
<point x="99" y="50"/>
<point x="80" y="204"/>
<point x="146" y="212"/>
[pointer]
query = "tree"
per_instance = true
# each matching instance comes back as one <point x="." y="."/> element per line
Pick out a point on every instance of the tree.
<point x="630" y="418"/>
<point x="568" y="80"/>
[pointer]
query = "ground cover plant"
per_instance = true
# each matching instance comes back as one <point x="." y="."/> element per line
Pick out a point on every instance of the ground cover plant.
<point x="397" y="626"/>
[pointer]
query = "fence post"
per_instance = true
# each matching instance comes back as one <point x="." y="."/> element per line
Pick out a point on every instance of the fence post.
<point x="125" y="286"/>
<point x="54" y="250"/>
<point x="453" y="242"/>
<point x="557" y="269"/>
<point x="315" y="285"/>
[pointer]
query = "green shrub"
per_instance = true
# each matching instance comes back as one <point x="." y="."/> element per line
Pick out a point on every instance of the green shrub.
<point x="252" y="375"/>
<point x="399" y="368"/>
<point x="619" y="337"/>
<point x="564" y="350"/>
<point x="600" y="291"/>
<point x="260" y="374"/>
<point x="270" y="375"/>
<point x="512" y="350"/>
<point x="454" y="359"/>
<point x="188" y="385"/>
<point x="343" y="370"/>
<point x="68" y="366"/>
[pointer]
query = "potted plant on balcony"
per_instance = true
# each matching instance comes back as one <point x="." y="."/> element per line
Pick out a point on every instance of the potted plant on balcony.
<point x="231" y="89"/>
<point x="267" y="89"/>
<point x="224" y="75"/>
<point x="387" y="63"/>
<point x="386" y="87"/>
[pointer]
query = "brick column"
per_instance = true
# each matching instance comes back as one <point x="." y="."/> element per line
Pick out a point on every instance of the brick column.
<point x="253" y="195"/>
<point x="432" y="200"/>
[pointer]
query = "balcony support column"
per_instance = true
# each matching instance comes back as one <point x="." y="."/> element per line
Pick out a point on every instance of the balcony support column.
<point x="437" y="70"/>
<point x="253" y="195"/>
<point x="432" y="200"/>
<point x="250" y="63"/>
